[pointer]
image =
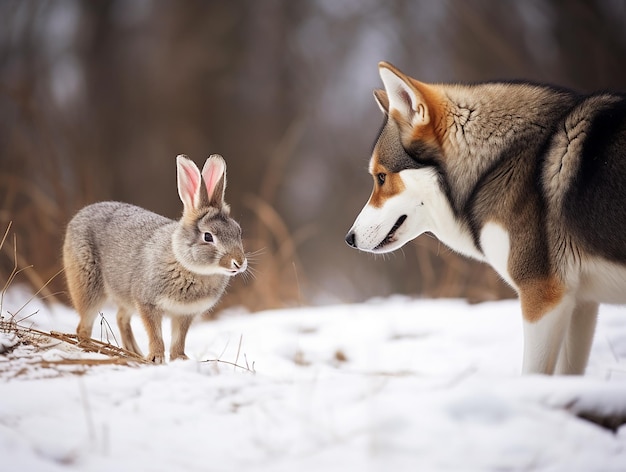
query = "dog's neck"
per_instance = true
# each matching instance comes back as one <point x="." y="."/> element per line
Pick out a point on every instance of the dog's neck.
<point x="482" y="122"/>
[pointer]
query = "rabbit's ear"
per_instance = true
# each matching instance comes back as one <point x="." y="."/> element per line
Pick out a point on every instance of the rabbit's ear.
<point x="188" y="182"/>
<point x="214" y="175"/>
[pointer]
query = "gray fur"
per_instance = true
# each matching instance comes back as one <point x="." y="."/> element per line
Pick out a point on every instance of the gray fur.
<point x="124" y="253"/>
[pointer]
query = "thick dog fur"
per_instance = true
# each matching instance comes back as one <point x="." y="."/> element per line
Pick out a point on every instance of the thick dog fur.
<point x="528" y="178"/>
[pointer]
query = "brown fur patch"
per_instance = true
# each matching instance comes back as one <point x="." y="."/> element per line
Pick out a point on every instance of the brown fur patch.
<point x="425" y="134"/>
<point x="437" y="110"/>
<point x="434" y="131"/>
<point x="393" y="185"/>
<point x="436" y="105"/>
<point x="539" y="296"/>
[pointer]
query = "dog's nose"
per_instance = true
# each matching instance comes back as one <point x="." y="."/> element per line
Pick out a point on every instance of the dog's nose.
<point x="351" y="239"/>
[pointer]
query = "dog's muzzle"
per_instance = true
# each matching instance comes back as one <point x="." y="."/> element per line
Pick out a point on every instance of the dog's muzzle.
<point x="389" y="238"/>
<point x="392" y="232"/>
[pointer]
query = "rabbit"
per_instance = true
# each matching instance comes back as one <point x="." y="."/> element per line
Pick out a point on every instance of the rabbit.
<point x="155" y="266"/>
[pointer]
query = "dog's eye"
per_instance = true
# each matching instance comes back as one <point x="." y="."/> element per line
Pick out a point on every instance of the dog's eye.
<point x="208" y="237"/>
<point x="381" y="178"/>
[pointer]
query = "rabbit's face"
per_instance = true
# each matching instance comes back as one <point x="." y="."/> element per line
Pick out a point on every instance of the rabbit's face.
<point x="211" y="245"/>
<point x="207" y="240"/>
<point x="223" y="235"/>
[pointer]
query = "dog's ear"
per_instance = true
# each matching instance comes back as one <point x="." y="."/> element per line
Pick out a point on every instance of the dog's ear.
<point x="404" y="97"/>
<point x="382" y="100"/>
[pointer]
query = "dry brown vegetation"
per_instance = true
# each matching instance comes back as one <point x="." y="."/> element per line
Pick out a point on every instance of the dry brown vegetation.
<point x="97" y="98"/>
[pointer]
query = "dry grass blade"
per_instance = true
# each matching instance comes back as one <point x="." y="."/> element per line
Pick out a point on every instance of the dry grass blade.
<point x="6" y="233"/>
<point x="85" y="362"/>
<point x="100" y="347"/>
<point x="37" y="293"/>
<point x="33" y="336"/>
<point x="234" y="364"/>
<point x="30" y="274"/>
<point x="238" y="349"/>
<point x="14" y="271"/>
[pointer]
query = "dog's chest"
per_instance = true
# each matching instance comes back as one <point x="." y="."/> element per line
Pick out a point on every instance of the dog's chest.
<point x="495" y="243"/>
<point x="603" y="281"/>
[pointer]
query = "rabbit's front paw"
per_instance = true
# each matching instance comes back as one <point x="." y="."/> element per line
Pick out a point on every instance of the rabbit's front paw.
<point x="181" y="356"/>
<point x="83" y="332"/>
<point x="157" y="358"/>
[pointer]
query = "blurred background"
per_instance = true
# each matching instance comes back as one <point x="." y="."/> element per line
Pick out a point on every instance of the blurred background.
<point x="98" y="97"/>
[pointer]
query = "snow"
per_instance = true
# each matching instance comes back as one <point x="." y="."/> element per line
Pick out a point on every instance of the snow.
<point x="394" y="384"/>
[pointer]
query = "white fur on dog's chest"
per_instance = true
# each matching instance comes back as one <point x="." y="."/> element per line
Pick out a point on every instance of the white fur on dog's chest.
<point x="176" y="307"/>
<point x="496" y="245"/>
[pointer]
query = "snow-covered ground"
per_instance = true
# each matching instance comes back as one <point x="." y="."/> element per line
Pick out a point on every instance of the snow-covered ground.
<point x="388" y="385"/>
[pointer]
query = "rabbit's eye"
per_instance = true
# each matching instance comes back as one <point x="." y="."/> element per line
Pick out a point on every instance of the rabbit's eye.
<point x="208" y="237"/>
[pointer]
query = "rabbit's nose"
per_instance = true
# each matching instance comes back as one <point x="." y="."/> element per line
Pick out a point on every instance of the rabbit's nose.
<point x="240" y="266"/>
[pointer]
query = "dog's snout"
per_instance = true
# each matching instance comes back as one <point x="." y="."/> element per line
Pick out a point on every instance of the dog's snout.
<point x="351" y="239"/>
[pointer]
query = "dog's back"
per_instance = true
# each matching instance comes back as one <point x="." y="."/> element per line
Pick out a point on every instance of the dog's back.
<point x="593" y="143"/>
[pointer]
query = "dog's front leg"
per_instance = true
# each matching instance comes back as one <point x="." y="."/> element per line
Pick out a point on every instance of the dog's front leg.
<point x="547" y="316"/>
<point x="578" y="338"/>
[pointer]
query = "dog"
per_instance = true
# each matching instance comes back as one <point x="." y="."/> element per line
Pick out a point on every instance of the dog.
<point x="526" y="177"/>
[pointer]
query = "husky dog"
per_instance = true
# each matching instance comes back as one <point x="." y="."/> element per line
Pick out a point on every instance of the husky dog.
<point x="528" y="178"/>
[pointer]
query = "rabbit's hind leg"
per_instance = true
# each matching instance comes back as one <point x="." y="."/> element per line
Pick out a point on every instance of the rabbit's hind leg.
<point x="86" y="289"/>
<point x="123" y="323"/>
